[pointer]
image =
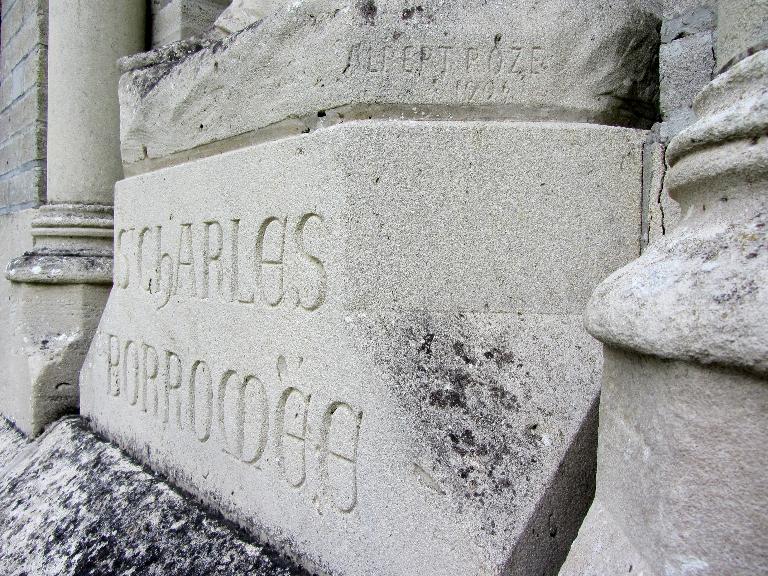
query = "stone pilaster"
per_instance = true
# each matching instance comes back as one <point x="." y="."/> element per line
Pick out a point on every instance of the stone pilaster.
<point x="61" y="285"/>
<point x="174" y="20"/>
<point x="681" y="483"/>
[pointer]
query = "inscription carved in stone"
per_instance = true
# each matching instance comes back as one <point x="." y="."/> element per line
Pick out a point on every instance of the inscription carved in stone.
<point x="365" y="343"/>
<point x="475" y="73"/>
<point x="246" y="262"/>
<point x="197" y="397"/>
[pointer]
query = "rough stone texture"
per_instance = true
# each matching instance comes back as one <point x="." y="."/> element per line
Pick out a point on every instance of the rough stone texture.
<point x="242" y="13"/>
<point x="686" y="66"/>
<point x="15" y="239"/>
<point x="681" y="477"/>
<point x="61" y="285"/>
<point x="602" y="549"/>
<point x="23" y="60"/>
<point x="672" y="9"/>
<point x="415" y="322"/>
<point x="686" y="63"/>
<point x="661" y="212"/>
<point x="49" y="266"/>
<point x="52" y="327"/>
<point x="322" y="62"/>
<point x="179" y="19"/>
<point x="699" y="19"/>
<point x="73" y="505"/>
<point x="51" y="309"/>
<point x="11" y="443"/>
<point x="744" y="30"/>
<point x="165" y="54"/>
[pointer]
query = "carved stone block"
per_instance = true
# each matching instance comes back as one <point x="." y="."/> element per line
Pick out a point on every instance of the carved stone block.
<point x="326" y="61"/>
<point x="366" y="343"/>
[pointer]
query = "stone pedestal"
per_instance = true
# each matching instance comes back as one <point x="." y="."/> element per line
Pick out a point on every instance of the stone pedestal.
<point x="349" y="281"/>
<point x="681" y="485"/>
<point x="60" y="287"/>
<point x="378" y="347"/>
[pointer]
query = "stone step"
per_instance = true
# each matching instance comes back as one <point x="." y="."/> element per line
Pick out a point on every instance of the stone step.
<point x="71" y="503"/>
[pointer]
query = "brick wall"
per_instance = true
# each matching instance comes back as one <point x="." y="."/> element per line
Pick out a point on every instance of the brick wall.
<point x="23" y="66"/>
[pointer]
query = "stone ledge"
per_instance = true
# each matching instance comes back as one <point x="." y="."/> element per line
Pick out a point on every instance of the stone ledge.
<point x="302" y="62"/>
<point x="71" y="503"/>
<point x="67" y="266"/>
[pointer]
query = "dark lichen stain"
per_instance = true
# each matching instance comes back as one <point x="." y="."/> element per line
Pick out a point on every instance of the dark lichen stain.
<point x="97" y="513"/>
<point x="499" y="357"/>
<point x="409" y="12"/>
<point x="448" y="398"/>
<point x="737" y="293"/>
<point x="368" y="11"/>
<point x="461" y="352"/>
<point x="462" y="390"/>
<point x="426" y="344"/>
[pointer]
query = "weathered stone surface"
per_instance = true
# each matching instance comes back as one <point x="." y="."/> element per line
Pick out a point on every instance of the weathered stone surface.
<point x="681" y="480"/>
<point x="700" y="19"/>
<point x="179" y="19"/>
<point x="743" y="30"/>
<point x="672" y="302"/>
<point x="674" y="9"/>
<point x="15" y="239"/>
<point x="686" y="66"/>
<point x="661" y="212"/>
<point x="72" y="504"/>
<point x="681" y="472"/>
<point x="57" y="293"/>
<point x="243" y="13"/>
<point x="51" y="329"/>
<point x="602" y="549"/>
<point x="11" y="443"/>
<point x="326" y="61"/>
<point x="366" y="342"/>
<point x="60" y="286"/>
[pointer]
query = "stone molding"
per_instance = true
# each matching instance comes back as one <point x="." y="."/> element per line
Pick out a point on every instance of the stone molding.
<point x="73" y="245"/>
<point x="61" y="266"/>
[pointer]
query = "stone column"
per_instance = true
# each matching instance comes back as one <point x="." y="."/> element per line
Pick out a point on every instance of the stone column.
<point x="62" y="285"/>
<point x="681" y="483"/>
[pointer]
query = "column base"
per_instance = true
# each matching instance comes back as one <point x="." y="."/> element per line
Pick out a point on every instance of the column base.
<point x="681" y="483"/>
<point x="52" y="328"/>
<point x="57" y="293"/>
<point x="602" y="548"/>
